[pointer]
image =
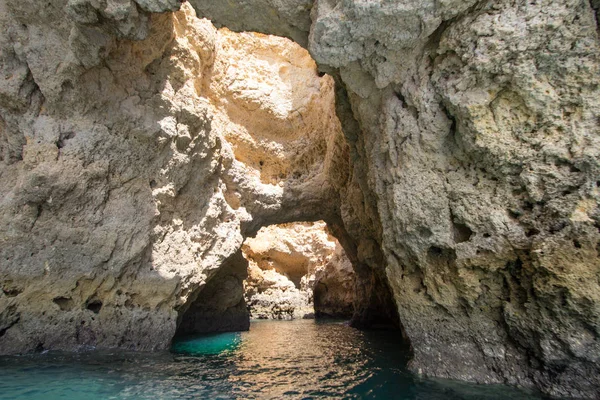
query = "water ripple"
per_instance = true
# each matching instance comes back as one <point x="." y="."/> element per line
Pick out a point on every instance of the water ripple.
<point x="291" y="359"/>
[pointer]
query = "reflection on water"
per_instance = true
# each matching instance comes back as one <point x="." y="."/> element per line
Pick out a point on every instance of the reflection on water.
<point x="276" y="359"/>
<point x="207" y="344"/>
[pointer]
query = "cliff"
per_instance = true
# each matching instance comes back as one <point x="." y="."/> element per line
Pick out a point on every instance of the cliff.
<point x="138" y="151"/>
<point x="462" y="177"/>
<point x="476" y="141"/>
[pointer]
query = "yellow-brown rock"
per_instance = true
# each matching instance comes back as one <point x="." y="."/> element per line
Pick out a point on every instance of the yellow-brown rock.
<point x="140" y="146"/>
<point x="136" y="155"/>
<point x="297" y="270"/>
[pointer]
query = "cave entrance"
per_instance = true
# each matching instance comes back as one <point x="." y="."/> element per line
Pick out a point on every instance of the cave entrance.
<point x="219" y="306"/>
<point x="290" y="271"/>
<point x="298" y="270"/>
<point x="285" y="156"/>
<point x="287" y="271"/>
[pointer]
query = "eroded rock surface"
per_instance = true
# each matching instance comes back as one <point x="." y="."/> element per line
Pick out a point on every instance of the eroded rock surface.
<point x="220" y="305"/>
<point x="476" y="143"/>
<point x="297" y="270"/>
<point x="467" y="181"/>
<point x="137" y="152"/>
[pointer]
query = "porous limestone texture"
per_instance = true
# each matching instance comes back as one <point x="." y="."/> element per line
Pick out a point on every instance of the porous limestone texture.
<point x="475" y="149"/>
<point x="297" y="270"/>
<point x="137" y="150"/>
<point x="334" y="287"/>
<point x="135" y="161"/>
<point x="288" y="18"/>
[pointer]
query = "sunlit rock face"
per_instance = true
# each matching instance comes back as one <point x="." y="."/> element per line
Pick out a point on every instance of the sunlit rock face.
<point x="297" y="270"/>
<point x="137" y="150"/>
<point x="283" y="145"/>
<point x="466" y="179"/>
<point x="476" y="142"/>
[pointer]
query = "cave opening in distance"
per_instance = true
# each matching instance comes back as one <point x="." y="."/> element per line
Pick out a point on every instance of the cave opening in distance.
<point x="298" y="270"/>
<point x="288" y="271"/>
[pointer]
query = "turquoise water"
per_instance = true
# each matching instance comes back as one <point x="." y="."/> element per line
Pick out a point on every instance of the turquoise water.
<point x="203" y="345"/>
<point x="279" y="359"/>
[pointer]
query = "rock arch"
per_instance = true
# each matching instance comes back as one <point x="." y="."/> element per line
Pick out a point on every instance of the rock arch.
<point x="134" y="173"/>
<point x="469" y="120"/>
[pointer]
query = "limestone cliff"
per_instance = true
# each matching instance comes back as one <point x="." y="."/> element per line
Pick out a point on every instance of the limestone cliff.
<point x="476" y="142"/>
<point x="466" y="179"/>
<point x="297" y="270"/>
<point x="137" y="152"/>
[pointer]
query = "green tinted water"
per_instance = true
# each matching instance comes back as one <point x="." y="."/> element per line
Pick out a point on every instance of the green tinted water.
<point x="295" y="359"/>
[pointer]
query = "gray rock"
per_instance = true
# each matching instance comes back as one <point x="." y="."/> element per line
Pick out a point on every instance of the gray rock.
<point x="475" y="169"/>
<point x="467" y="182"/>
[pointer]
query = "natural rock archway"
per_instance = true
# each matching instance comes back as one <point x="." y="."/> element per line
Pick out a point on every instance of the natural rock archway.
<point x="298" y="270"/>
<point x="476" y="141"/>
<point x="466" y="176"/>
<point x="137" y="158"/>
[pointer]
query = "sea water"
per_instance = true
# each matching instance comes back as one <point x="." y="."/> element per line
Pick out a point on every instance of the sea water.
<point x="276" y="359"/>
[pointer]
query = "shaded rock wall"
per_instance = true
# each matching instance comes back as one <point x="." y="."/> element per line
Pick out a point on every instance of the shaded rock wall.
<point x="220" y="305"/>
<point x="474" y="163"/>
<point x="298" y="270"/>
<point x="335" y="286"/>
